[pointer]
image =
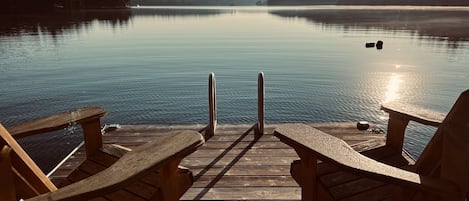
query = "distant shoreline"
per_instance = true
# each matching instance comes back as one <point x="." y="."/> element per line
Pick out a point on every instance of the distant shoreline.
<point x="299" y="2"/>
<point x="47" y="5"/>
<point x="373" y="2"/>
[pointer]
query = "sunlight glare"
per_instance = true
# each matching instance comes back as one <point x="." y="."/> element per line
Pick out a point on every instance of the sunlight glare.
<point x="392" y="91"/>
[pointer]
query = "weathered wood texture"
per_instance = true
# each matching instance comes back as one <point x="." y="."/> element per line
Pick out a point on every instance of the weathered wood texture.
<point x="312" y="144"/>
<point x="29" y="178"/>
<point x="109" y="170"/>
<point x="447" y="154"/>
<point x="7" y="190"/>
<point x="399" y="117"/>
<point x="87" y="117"/>
<point x="124" y="176"/>
<point x="234" y="164"/>
<point x="440" y="173"/>
<point x="57" y="121"/>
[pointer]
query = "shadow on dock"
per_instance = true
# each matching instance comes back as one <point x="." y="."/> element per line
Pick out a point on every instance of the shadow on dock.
<point x="228" y="167"/>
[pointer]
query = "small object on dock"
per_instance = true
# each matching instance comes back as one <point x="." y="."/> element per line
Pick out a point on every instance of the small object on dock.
<point x="363" y="125"/>
<point x="110" y="127"/>
<point x="376" y="130"/>
<point x="369" y="45"/>
<point x="379" y="45"/>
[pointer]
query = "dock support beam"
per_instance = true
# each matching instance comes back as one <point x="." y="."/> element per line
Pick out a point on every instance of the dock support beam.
<point x="212" y="105"/>
<point x="260" y="104"/>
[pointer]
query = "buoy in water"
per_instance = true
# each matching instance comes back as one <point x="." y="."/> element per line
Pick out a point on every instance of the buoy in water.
<point x="363" y="125"/>
<point x="369" y="45"/>
<point x="379" y="45"/>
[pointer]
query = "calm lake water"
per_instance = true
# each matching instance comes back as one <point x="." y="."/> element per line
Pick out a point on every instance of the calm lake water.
<point x="150" y="65"/>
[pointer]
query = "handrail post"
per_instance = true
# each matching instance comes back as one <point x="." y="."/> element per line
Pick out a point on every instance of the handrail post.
<point x="260" y="103"/>
<point x="212" y="105"/>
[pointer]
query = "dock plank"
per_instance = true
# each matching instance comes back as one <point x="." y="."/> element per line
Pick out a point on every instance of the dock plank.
<point x="242" y="170"/>
<point x="251" y="193"/>
<point x="245" y="181"/>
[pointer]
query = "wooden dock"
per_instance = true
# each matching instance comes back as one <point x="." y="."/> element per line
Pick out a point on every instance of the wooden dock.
<point x="233" y="164"/>
<point x="237" y="162"/>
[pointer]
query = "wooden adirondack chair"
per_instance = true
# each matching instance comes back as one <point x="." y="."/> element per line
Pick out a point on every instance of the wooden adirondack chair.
<point x="21" y="178"/>
<point x="440" y="173"/>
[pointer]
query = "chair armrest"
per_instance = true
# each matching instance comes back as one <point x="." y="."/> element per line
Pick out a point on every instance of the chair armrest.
<point x="131" y="167"/>
<point x="420" y="115"/>
<point x="333" y="150"/>
<point x="399" y="117"/>
<point x="56" y="121"/>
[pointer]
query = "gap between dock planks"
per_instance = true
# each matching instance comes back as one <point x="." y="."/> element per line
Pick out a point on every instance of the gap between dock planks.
<point x="233" y="164"/>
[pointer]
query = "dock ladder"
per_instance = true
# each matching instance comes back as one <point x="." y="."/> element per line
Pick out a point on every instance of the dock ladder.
<point x="212" y="105"/>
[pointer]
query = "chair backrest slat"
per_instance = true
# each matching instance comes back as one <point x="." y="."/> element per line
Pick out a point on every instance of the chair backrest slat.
<point x="27" y="173"/>
<point x="7" y="190"/>
<point x="447" y="154"/>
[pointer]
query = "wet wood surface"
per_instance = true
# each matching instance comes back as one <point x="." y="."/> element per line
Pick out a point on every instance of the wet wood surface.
<point x="234" y="164"/>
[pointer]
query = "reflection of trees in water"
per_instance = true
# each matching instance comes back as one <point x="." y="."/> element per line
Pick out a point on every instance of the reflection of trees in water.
<point x="451" y="27"/>
<point x="198" y="2"/>
<point x="58" y="23"/>
<point x="13" y="6"/>
<point x="62" y="22"/>
<point x="371" y="2"/>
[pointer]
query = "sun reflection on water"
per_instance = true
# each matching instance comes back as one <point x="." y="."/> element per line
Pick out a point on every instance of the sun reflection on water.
<point x="392" y="89"/>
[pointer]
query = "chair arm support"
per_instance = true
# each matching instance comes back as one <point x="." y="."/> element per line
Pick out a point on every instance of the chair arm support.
<point x="327" y="148"/>
<point x="56" y="121"/>
<point x="163" y="153"/>
<point x="399" y="117"/>
<point x="412" y="113"/>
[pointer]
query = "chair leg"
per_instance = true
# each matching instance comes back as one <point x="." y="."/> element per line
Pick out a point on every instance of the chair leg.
<point x="174" y="181"/>
<point x="395" y="133"/>
<point x="304" y="173"/>
<point x="185" y="178"/>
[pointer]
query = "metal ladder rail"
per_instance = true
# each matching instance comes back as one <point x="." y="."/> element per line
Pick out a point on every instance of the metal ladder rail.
<point x="260" y="104"/>
<point x="212" y="105"/>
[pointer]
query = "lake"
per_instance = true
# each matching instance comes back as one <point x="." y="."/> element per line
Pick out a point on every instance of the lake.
<point x="150" y="65"/>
